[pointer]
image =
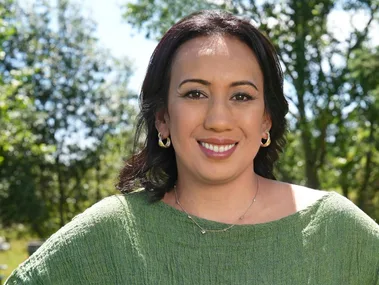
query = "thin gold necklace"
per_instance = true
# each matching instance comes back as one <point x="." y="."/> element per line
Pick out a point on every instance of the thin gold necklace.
<point x="204" y="230"/>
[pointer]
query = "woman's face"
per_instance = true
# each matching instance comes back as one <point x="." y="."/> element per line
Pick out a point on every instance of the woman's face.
<point x="216" y="114"/>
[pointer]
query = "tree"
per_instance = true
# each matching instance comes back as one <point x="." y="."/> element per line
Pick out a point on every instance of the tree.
<point x="62" y="100"/>
<point x="364" y="71"/>
<point x="19" y="146"/>
<point x="315" y="62"/>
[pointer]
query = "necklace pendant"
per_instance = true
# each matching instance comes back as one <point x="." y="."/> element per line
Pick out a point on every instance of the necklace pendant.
<point x="204" y="231"/>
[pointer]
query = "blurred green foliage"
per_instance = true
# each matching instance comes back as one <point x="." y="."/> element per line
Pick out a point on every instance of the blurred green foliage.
<point x="65" y="115"/>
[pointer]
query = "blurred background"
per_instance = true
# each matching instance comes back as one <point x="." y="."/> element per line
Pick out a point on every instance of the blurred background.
<point x="70" y="73"/>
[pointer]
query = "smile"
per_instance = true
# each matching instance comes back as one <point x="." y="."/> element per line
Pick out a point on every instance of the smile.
<point x="217" y="148"/>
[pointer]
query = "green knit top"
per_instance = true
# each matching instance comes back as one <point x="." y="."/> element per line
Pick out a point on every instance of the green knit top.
<point x="125" y="239"/>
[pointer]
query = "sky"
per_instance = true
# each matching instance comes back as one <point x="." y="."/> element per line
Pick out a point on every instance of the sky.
<point x="119" y="37"/>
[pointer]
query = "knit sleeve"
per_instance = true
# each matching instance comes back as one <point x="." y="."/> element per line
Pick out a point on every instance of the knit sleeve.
<point x="67" y="255"/>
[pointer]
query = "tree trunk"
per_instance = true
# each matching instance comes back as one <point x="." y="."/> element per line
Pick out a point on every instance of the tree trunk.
<point x="345" y="186"/>
<point x="62" y="197"/>
<point x="299" y="82"/>
<point x="364" y="195"/>
<point x="98" y="179"/>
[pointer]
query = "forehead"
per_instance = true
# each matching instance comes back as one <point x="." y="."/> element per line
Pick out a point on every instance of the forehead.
<point x="216" y="57"/>
<point x="206" y="46"/>
<point x="214" y="45"/>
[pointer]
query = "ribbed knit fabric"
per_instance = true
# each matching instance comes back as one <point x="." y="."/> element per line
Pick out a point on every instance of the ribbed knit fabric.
<point x="127" y="240"/>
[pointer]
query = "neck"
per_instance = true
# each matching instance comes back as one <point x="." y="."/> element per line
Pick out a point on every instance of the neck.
<point x="224" y="203"/>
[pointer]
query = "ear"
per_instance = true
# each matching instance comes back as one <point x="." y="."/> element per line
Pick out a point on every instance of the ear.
<point x="266" y="124"/>
<point x="162" y="123"/>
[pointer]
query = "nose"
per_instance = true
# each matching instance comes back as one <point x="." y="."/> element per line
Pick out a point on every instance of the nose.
<point x="219" y="116"/>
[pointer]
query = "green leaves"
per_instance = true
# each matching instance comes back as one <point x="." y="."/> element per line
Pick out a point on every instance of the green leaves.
<point x="62" y="98"/>
<point x="156" y="17"/>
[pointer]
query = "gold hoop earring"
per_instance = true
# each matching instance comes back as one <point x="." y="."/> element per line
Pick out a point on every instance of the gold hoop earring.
<point x="268" y="140"/>
<point x="160" y="142"/>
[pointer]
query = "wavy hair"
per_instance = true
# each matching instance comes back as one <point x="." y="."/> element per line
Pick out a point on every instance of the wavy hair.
<point x="154" y="168"/>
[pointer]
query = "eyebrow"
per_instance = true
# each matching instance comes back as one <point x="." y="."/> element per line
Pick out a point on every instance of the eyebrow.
<point x="207" y="83"/>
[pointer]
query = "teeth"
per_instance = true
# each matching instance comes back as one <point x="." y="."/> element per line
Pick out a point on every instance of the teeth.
<point x="217" y="148"/>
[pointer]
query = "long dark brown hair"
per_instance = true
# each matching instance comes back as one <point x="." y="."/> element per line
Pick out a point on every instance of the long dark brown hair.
<point x="154" y="168"/>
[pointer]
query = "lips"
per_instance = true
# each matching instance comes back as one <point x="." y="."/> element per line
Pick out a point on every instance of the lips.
<point x="219" y="148"/>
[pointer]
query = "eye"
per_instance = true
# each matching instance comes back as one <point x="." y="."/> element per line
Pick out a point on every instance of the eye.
<point x="242" y="97"/>
<point x="194" y="94"/>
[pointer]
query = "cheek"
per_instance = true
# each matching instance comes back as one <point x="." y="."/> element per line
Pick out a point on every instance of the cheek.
<point x="184" y="119"/>
<point x="251" y="121"/>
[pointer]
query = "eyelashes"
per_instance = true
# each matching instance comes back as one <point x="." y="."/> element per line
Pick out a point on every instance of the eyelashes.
<point x="194" y="94"/>
<point x="241" y="96"/>
<point x="198" y="94"/>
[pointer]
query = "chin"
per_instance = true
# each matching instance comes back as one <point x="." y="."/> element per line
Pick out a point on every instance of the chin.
<point x="217" y="177"/>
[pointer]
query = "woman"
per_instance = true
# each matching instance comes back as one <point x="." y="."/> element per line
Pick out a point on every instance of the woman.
<point x="213" y="109"/>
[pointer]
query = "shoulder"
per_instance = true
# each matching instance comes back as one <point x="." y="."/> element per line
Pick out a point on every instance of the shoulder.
<point x="109" y="212"/>
<point x="110" y="209"/>
<point x="339" y="209"/>
<point x="304" y="197"/>
<point x="95" y="233"/>
<point x="330" y="207"/>
<point x="334" y="230"/>
<point x="345" y="230"/>
<point x="336" y="216"/>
